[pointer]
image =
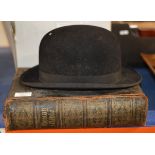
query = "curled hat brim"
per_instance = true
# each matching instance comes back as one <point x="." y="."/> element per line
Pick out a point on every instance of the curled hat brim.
<point x="31" y="78"/>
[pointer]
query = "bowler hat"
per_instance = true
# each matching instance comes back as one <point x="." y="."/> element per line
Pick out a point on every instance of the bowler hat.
<point x="80" y="57"/>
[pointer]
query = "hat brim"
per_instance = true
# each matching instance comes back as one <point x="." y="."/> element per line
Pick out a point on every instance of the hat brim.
<point x="31" y="78"/>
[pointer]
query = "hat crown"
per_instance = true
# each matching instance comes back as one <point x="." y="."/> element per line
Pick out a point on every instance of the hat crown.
<point x="79" y="50"/>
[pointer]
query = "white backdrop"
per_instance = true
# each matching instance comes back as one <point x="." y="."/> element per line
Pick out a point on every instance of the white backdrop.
<point x="29" y="34"/>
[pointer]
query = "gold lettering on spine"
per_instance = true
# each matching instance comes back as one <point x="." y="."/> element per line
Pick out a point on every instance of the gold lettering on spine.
<point x="51" y="118"/>
<point x="44" y="116"/>
<point x="48" y="117"/>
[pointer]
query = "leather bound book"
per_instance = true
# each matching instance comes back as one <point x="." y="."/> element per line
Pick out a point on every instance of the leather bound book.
<point x="31" y="108"/>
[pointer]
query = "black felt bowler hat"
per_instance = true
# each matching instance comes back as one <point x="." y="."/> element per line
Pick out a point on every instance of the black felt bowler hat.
<point x="80" y="57"/>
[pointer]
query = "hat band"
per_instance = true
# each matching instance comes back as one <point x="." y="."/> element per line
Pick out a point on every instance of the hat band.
<point x="108" y="78"/>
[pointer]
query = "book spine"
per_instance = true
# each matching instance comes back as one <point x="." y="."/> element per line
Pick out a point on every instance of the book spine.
<point x="75" y="113"/>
